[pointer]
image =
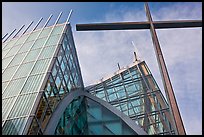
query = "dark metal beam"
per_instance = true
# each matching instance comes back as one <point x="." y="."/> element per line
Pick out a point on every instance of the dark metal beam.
<point x="112" y="26"/>
<point x="139" y="25"/>
<point x="177" y="24"/>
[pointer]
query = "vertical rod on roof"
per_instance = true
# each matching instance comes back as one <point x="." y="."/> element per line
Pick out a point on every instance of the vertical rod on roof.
<point x="4" y="36"/>
<point x="58" y="18"/>
<point x="18" y="31"/>
<point x="27" y="27"/>
<point x="118" y="66"/>
<point x="10" y="34"/>
<point x="136" y="57"/>
<point x="70" y="13"/>
<point x="37" y="24"/>
<point x="47" y="21"/>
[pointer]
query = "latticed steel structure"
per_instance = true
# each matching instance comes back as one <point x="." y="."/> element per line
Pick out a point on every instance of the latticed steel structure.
<point x="133" y="91"/>
<point x="43" y="90"/>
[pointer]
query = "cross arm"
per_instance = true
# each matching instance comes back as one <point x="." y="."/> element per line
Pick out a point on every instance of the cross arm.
<point x="113" y="26"/>
<point x="138" y="25"/>
<point x="177" y="24"/>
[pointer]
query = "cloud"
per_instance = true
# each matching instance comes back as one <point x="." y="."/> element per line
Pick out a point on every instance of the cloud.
<point x="99" y="53"/>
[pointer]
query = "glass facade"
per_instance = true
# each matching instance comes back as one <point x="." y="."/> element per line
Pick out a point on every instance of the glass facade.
<point x="74" y="119"/>
<point x="102" y="121"/>
<point x="84" y="116"/>
<point x="38" y="69"/>
<point x="134" y="92"/>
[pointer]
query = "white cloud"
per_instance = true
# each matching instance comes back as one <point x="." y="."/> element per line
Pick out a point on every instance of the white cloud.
<point x="99" y="53"/>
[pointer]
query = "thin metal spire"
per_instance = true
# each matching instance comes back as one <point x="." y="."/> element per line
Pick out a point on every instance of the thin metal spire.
<point x="10" y="35"/>
<point x="135" y="51"/>
<point x="37" y="23"/>
<point x="47" y="20"/>
<point x="4" y="36"/>
<point x="58" y="18"/>
<point x="118" y="66"/>
<point x="27" y="28"/>
<point x="18" y="31"/>
<point x="70" y="13"/>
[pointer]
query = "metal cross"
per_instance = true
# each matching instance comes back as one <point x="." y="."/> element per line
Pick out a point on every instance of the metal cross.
<point x="152" y="25"/>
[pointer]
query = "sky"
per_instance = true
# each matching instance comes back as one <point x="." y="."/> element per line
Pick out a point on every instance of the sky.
<point x="100" y="51"/>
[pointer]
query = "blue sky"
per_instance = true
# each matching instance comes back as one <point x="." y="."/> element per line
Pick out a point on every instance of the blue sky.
<point x="181" y="47"/>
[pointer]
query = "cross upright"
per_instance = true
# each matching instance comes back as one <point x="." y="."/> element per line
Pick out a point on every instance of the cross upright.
<point x="152" y="25"/>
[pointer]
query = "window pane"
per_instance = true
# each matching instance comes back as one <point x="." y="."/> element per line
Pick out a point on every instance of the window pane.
<point x="8" y="73"/>
<point x="10" y="44"/>
<point x="6" y="104"/>
<point x="45" y="32"/>
<point x="22" y="105"/>
<point x="13" y="51"/>
<point x="47" y="52"/>
<point x="26" y="47"/>
<point x="57" y="30"/>
<point x="14" y="127"/>
<point x="33" y="36"/>
<point x="4" y="52"/>
<point x="32" y="84"/>
<point x="21" y="39"/>
<point x="40" y="66"/>
<point x="24" y="70"/>
<point x="53" y="40"/>
<point x="17" y="59"/>
<point x="39" y="43"/>
<point x="14" y="87"/>
<point x="4" y="84"/>
<point x="32" y="55"/>
<point x="6" y="61"/>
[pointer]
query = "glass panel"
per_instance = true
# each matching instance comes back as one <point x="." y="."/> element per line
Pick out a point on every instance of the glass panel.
<point x="6" y="61"/>
<point x="45" y="32"/>
<point x="22" y="39"/>
<point x="6" y="106"/>
<point x="10" y="44"/>
<point x="14" y="88"/>
<point x="114" y="127"/>
<point x="4" y="44"/>
<point x="4" y="52"/>
<point x="74" y="120"/>
<point x="33" y="36"/>
<point x="32" y="55"/>
<point x="57" y="30"/>
<point x="22" y="105"/>
<point x="13" y="51"/>
<point x="8" y="73"/>
<point x="53" y="40"/>
<point x="17" y="59"/>
<point x="107" y="124"/>
<point x="4" y="84"/>
<point x="24" y="70"/>
<point x="14" y="127"/>
<point x="26" y="47"/>
<point x="39" y="43"/>
<point x="40" y="66"/>
<point x="32" y="84"/>
<point x="47" y="52"/>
